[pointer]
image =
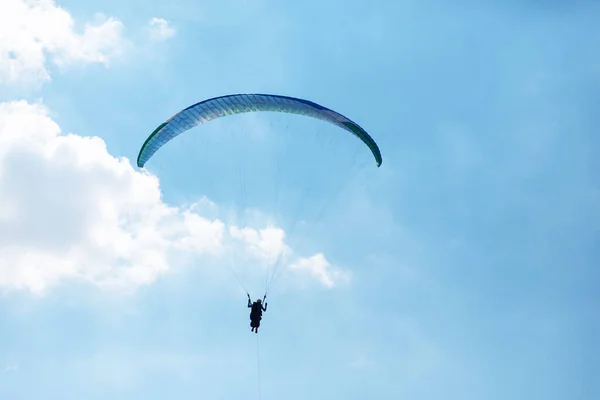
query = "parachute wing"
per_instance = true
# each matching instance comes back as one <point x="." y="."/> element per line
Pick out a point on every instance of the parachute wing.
<point x="222" y="106"/>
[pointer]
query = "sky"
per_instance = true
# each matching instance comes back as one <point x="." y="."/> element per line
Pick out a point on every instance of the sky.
<point x="465" y="267"/>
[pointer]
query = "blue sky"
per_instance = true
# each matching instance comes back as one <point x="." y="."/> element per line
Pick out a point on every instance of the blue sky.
<point x="473" y="251"/>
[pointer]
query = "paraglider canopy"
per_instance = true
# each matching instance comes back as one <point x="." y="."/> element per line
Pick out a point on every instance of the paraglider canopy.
<point x="217" y="107"/>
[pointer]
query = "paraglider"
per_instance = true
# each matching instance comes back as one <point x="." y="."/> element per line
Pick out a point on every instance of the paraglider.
<point x="234" y="104"/>
<point x="256" y="312"/>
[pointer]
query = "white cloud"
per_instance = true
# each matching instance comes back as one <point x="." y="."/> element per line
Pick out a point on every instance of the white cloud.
<point x="319" y="268"/>
<point x="265" y="244"/>
<point x="33" y="30"/>
<point x="268" y="246"/>
<point x="160" y="29"/>
<point x="70" y="210"/>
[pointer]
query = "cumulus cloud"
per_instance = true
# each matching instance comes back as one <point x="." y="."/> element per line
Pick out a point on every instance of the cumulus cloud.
<point x="70" y="210"/>
<point x="265" y="244"/>
<point x="33" y="31"/>
<point x="160" y="29"/>
<point x="319" y="268"/>
<point x="269" y="247"/>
